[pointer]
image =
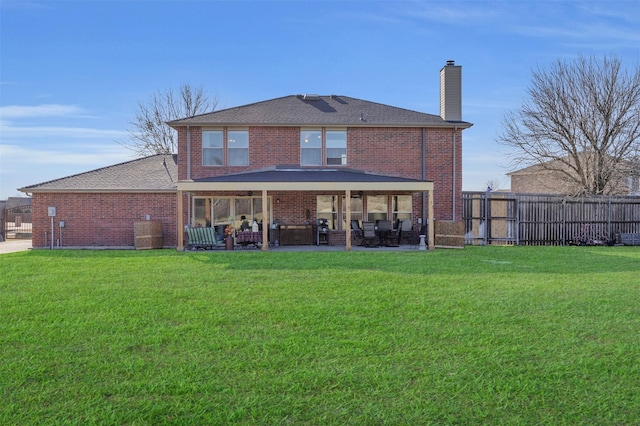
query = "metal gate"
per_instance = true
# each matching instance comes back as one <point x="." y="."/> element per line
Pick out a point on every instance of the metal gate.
<point x="17" y="222"/>
<point x="490" y="218"/>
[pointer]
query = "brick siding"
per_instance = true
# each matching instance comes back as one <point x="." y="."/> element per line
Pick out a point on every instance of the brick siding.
<point x="100" y="220"/>
<point x="388" y="151"/>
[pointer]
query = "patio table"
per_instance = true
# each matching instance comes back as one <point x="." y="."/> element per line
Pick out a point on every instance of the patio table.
<point x="245" y="238"/>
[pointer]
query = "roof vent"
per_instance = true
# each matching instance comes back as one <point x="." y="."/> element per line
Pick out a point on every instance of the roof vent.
<point x="311" y="97"/>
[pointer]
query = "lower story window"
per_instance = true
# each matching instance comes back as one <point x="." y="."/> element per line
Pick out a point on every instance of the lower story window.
<point x="402" y="207"/>
<point x="327" y="208"/>
<point x="377" y="207"/>
<point x="228" y="210"/>
<point x="356" y="211"/>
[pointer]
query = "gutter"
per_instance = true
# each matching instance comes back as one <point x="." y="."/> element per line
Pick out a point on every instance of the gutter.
<point x="188" y="152"/>
<point x="104" y="191"/>
<point x="443" y="125"/>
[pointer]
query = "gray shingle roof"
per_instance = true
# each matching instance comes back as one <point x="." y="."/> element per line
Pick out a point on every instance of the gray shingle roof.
<point x="292" y="174"/>
<point x="156" y="173"/>
<point x="314" y="110"/>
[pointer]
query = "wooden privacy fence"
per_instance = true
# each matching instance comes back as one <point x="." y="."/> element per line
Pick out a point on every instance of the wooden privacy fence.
<point x="532" y="219"/>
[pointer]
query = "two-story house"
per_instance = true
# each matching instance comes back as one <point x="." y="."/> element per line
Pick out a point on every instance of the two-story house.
<point x="287" y="161"/>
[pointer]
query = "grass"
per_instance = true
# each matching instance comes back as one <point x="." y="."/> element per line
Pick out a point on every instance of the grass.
<point x="484" y="335"/>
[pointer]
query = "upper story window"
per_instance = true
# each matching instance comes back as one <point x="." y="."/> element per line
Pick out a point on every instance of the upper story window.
<point x="311" y="147"/>
<point x="336" y="147"/>
<point x="238" y="147"/>
<point x="213" y="148"/>
<point x="313" y="142"/>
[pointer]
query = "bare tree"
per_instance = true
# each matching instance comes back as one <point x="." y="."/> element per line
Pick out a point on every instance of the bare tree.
<point x="494" y="184"/>
<point x="581" y="122"/>
<point x="151" y="134"/>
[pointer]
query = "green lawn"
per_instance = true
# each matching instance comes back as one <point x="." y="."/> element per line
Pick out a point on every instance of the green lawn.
<point x="484" y="335"/>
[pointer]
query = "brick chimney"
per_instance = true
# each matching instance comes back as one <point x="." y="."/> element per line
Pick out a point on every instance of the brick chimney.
<point x="451" y="92"/>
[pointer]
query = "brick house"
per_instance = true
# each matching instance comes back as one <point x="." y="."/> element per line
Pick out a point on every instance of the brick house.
<point x="551" y="179"/>
<point x="287" y="161"/>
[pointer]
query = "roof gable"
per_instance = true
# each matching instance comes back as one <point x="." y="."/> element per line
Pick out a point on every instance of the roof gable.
<point x="315" y="110"/>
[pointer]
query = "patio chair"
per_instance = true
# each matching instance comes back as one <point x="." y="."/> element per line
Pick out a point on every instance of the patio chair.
<point x="356" y="232"/>
<point x="210" y="238"/>
<point x="203" y="239"/>
<point x="194" y="241"/>
<point x="388" y="237"/>
<point x="398" y="231"/>
<point x="369" y="236"/>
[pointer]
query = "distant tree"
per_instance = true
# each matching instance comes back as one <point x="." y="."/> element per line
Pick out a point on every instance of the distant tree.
<point x="151" y="134"/>
<point x="494" y="184"/>
<point x="581" y="121"/>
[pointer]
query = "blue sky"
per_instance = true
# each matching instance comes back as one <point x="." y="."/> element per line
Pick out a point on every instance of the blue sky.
<point x="72" y="72"/>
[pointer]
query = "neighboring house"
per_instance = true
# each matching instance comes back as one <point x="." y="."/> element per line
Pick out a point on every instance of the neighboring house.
<point x="547" y="179"/>
<point x="13" y="202"/>
<point x="289" y="160"/>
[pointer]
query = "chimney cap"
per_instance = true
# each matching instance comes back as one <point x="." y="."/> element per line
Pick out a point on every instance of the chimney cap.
<point x="451" y="62"/>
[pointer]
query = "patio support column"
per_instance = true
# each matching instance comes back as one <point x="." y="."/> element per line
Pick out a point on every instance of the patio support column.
<point x="347" y="200"/>
<point x="431" y="227"/>
<point x="180" y="230"/>
<point x="265" y="221"/>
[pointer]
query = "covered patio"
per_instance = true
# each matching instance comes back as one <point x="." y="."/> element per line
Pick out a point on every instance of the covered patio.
<point x="276" y="180"/>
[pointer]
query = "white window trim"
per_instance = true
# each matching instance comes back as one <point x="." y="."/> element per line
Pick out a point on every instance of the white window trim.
<point x="344" y="159"/>
<point x="202" y="147"/>
<point x="228" y="148"/>
<point x="323" y="146"/>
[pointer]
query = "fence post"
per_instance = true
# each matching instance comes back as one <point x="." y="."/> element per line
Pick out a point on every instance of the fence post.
<point x="517" y="213"/>
<point x="564" y="221"/>
<point x="486" y="217"/>
<point x="609" y="219"/>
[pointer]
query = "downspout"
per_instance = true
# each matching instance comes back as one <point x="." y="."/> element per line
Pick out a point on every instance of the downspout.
<point x="188" y="152"/>
<point x="424" y="173"/>
<point x="453" y="206"/>
<point x="188" y="173"/>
